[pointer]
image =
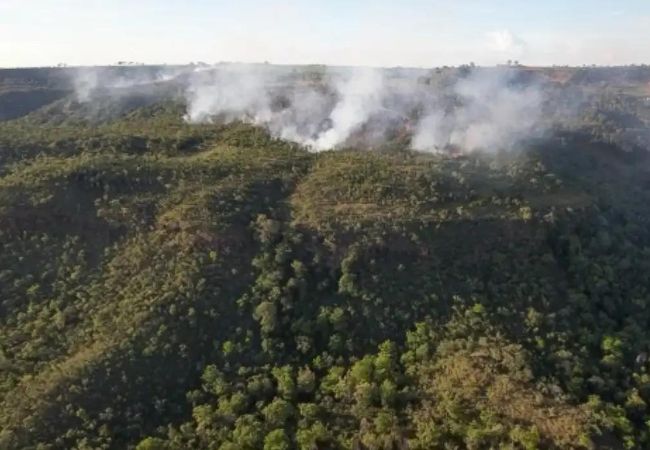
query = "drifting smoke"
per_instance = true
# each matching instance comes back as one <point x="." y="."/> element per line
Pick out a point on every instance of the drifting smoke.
<point x="233" y="93"/>
<point x="483" y="110"/>
<point x="360" y="96"/>
<point x="90" y="81"/>
<point x="492" y="112"/>
<point x="463" y="110"/>
<point x="318" y="116"/>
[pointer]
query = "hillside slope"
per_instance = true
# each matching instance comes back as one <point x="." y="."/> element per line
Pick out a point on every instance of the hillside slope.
<point x="172" y="286"/>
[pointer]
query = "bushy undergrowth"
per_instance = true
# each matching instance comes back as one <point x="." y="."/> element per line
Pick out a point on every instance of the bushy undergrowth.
<point x="173" y="286"/>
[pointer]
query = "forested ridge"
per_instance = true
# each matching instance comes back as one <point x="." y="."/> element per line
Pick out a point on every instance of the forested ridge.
<point x="166" y="285"/>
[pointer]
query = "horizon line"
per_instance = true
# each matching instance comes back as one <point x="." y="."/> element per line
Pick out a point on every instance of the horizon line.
<point x="512" y="63"/>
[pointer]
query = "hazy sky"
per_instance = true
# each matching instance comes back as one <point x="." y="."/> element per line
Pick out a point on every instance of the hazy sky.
<point x="358" y="32"/>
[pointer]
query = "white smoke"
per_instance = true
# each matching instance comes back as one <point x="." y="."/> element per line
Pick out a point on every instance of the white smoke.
<point x="360" y="95"/>
<point x="459" y="109"/>
<point x="85" y="82"/>
<point x="89" y="81"/>
<point x="232" y="93"/>
<point x="491" y="112"/>
<point x="305" y="118"/>
<point x="433" y="132"/>
<point x="484" y="109"/>
<point x="318" y="116"/>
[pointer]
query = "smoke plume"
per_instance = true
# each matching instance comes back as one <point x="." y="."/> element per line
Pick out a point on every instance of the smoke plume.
<point x="484" y="109"/>
<point x="360" y="95"/>
<point x="490" y="112"/>
<point x="88" y="82"/>
<point x="322" y="108"/>
<point x="319" y="115"/>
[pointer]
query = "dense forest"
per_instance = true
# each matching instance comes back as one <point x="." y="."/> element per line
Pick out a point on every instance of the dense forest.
<point x="167" y="285"/>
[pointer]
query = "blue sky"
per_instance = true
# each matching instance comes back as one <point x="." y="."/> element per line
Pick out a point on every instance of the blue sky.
<point x="358" y="32"/>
